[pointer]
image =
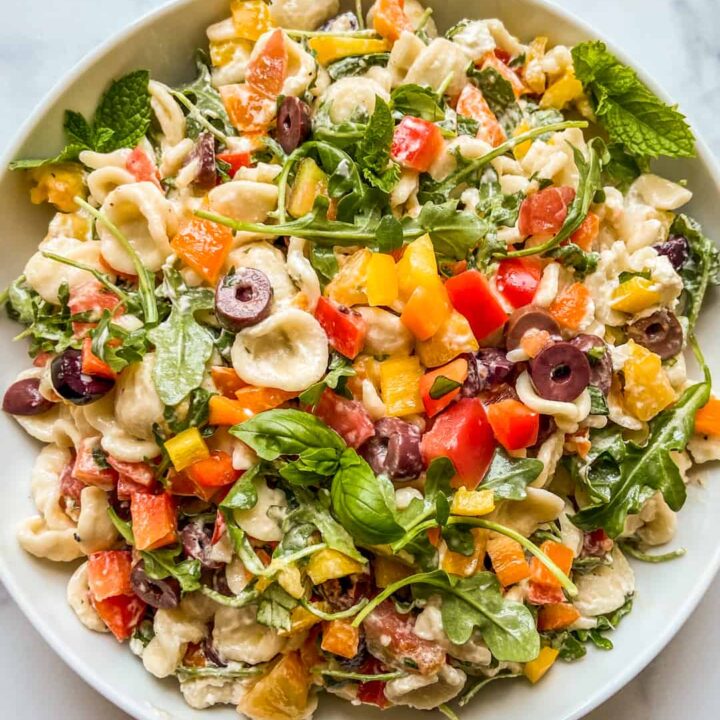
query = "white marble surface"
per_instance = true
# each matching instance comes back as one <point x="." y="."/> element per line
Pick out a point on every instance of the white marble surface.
<point x="677" y="41"/>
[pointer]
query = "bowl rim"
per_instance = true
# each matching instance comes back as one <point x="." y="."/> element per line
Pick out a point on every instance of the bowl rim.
<point x="124" y="701"/>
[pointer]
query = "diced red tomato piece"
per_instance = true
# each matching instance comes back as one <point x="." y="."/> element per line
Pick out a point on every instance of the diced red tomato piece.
<point x="235" y="161"/>
<point x="456" y="371"/>
<point x="121" y="614"/>
<point x="518" y="280"/>
<point x="502" y="55"/>
<point x="471" y="296"/>
<point x="597" y="543"/>
<point x="91" y="466"/>
<point x="154" y="520"/>
<point x="215" y="471"/>
<point x="515" y="425"/>
<point x="345" y="328"/>
<point x="267" y="70"/>
<point x="126" y="487"/>
<point x="139" y="472"/>
<point x="373" y="693"/>
<point x="348" y="418"/>
<point x="544" y="594"/>
<point x="417" y="143"/>
<point x="472" y="104"/>
<point x="70" y="487"/>
<point x="142" y="167"/>
<point x="463" y="434"/>
<point x="92" y="364"/>
<point x="109" y="574"/>
<point x="544" y="212"/>
<point x="250" y="110"/>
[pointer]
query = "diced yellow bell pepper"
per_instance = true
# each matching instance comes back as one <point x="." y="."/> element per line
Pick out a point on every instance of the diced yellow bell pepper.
<point x="368" y="368"/>
<point x="418" y="266"/>
<point x="382" y="280"/>
<point x="349" y="286"/>
<point x="389" y="571"/>
<point x="57" y="184"/>
<point x="310" y="181"/>
<point x="535" y="669"/>
<point x="635" y="295"/>
<point x="331" y="47"/>
<point x="329" y="564"/>
<point x="223" y="52"/>
<point x="454" y="338"/>
<point x="521" y="150"/>
<point x="472" y="503"/>
<point x="187" y="448"/>
<point x="400" y="386"/>
<point x="251" y="18"/>
<point x="647" y="388"/>
<point x="427" y="310"/>
<point x="302" y="620"/>
<point x="562" y="92"/>
<point x="466" y="565"/>
<point x="290" y="579"/>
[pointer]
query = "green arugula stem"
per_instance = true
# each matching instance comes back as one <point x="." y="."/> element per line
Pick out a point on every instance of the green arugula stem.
<point x="279" y="563"/>
<point x="300" y="34"/>
<point x="633" y="551"/>
<point x="414" y="531"/>
<point x="246" y="597"/>
<point x="468" y="696"/>
<point x="342" y="615"/>
<point x="99" y="276"/>
<point x="359" y="677"/>
<point x="424" y="20"/>
<point x="185" y="672"/>
<point x="360" y="14"/>
<point x="198" y="116"/>
<point x="448" y="712"/>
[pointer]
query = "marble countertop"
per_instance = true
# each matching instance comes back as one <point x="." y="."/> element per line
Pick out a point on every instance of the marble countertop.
<point x="676" y="41"/>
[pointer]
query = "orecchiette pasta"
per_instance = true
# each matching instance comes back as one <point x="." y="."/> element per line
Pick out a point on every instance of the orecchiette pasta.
<point x="244" y="200"/>
<point x="38" y="539"/>
<point x="137" y="404"/>
<point x="258" y="521"/>
<point x="525" y="516"/>
<point x="201" y="693"/>
<point x="424" y="692"/>
<point x="95" y="530"/>
<point x="169" y="114"/>
<point x="238" y="636"/>
<point x="436" y="62"/>
<point x="386" y="334"/>
<point x="303" y="14"/>
<point x="78" y="597"/>
<point x="402" y="56"/>
<point x="353" y="98"/>
<point x="302" y="273"/>
<point x="606" y="588"/>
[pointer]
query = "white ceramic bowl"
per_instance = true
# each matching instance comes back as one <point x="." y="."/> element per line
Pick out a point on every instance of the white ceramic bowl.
<point x="164" y="42"/>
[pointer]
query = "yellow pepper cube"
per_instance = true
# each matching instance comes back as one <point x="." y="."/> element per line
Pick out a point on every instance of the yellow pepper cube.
<point x="382" y="280"/>
<point x="187" y="448"/>
<point x="223" y="52"/>
<point x="290" y="580"/>
<point x="349" y="286"/>
<point x="251" y="18"/>
<point x="473" y="503"/>
<point x="330" y="48"/>
<point x="302" y="620"/>
<point x="521" y="150"/>
<point x="635" y="295"/>
<point x="466" y="565"/>
<point x="400" y="386"/>
<point x="329" y="564"/>
<point x="562" y="92"/>
<point x="647" y="388"/>
<point x="455" y="337"/>
<point x="57" y="184"/>
<point x="536" y="669"/>
<point x="418" y="266"/>
<point x="389" y="571"/>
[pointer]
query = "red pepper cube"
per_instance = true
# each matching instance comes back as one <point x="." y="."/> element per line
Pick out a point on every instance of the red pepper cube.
<point x="471" y="296"/>
<point x="515" y="425"/>
<point x="417" y="143"/>
<point x="345" y="328"/>
<point x="518" y="280"/>
<point x="109" y="574"/>
<point x="91" y="466"/>
<point x="154" y="520"/>
<point x="213" y="472"/>
<point x="121" y="614"/>
<point x="235" y="161"/>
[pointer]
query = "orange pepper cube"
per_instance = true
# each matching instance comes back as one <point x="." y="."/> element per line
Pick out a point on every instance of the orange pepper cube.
<point x="508" y="560"/>
<point x="560" y="554"/>
<point x="455" y="372"/>
<point x="203" y="246"/>
<point x="707" y="420"/>
<point x="109" y="574"/>
<point x="341" y="638"/>
<point x="427" y="310"/>
<point x="251" y="18"/>
<point x="154" y="520"/>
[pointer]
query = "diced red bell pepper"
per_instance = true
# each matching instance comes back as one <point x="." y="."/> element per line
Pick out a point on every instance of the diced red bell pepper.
<point x="463" y="434"/>
<point x="142" y="167"/>
<point x="502" y="55"/>
<point x="417" y="143"/>
<point x="214" y="472"/>
<point x="348" y="418"/>
<point x="345" y="328"/>
<point x="139" y="472"/>
<point x="92" y="364"/>
<point x="544" y="212"/>
<point x="373" y="693"/>
<point x="515" y="425"/>
<point x="126" y="487"/>
<point x="70" y="487"/>
<point x="121" y="614"/>
<point x="154" y="520"/>
<point x="597" y="543"/>
<point x="471" y="296"/>
<point x="518" y="280"/>
<point x="266" y="72"/>
<point x="91" y="298"/>
<point x="109" y="574"/>
<point x="544" y="594"/>
<point x="235" y="161"/>
<point x="456" y="371"/>
<point x="472" y="104"/>
<point x="91" y="465"/>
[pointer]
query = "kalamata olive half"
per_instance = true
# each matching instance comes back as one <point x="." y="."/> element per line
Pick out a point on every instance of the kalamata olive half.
<point x="197" y="544"/>
<point x="560" y="372"/>
<point x="23" y="398"/>
<point x="243" y="299"/>
<point x="394" y="450"/>
<point x="488" y="368"/>
<point x="660" y="333"/>
<point x="158" y="594"/>
<point x="530" y="317"/>
<point x="204" y="156"/>
<point x="677" y="250"/>
<point x="600" y="367"/>
<point x="71" y="383"/>
<point x="294" y="123"/>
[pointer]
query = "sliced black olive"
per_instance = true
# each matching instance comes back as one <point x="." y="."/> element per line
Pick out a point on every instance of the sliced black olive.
<point x="243" y="299"/>
<point x="71" y="383"/>
<point x="197" y="544"/>
<point x="530" y="317"/>
<point x="211" y="653"/>
<point x="560" y="372"/>
<point x="394" y="450"/>
<point x="158" y="594"/>
<point x="488" y="368"/>
<point x="294" y="123"/>
<point x="600" y="360"/>
<point x="660" y="333"/>
<point x="676" y="248"/>
<point x="23" y="398"/>
<point x="204" y="154"/>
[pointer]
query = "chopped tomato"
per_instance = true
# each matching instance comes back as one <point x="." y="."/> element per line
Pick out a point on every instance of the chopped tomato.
<point x="250" y="110"/>
<point x="92" y="364"/>
<point x="121" y="614"/>
<point x="140" y="472"/>
<point x="214" y="472"/>
<point x="226" y="380"/>
<point x="345" y="328"/>
<point x="142" y="168"/>
<point x="544" y="594"/>
<point x="109" y="574"/>
<point x="417" y="143"/>
<point x="456" y="372"/>
<point x="390" y="20"/>
<point x="471" y="296"/>
<point x="70" y="486"/>
<point x="502" y="55"/>
<point x="266" y="71"/>
<point x="544" y="212"/>
<point x="235" y="161"/>
<point x="203" y="246"/>
<point x="348" y="418"/>
<point x="463" y="434"/>
<point x="518" y="280"/>
<point x="515" y="425"/>
<point x="154" y="520"/>
<point x="585" y="235"/>
<point x="373" y="693"/>
<point x="472" y="104"/>
<point x="91" y="466"/>
<point x="126" y="487"/>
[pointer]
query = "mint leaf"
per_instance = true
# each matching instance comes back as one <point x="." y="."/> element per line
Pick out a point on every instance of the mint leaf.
<point x="373" y="154"/>
<point x="78" y="130"/>
<point x="125" y="110"/>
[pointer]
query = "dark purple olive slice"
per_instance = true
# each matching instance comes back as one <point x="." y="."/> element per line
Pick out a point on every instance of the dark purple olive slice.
<point x="71" y="383"/>
<point x="560" y="372"/>
<point x="243" y="299"/>
<point x="660" y="333"/>
<point x="23" y="398"/>
<point x="676" y="248"/>
<point x="600" y="367"/>
<point x="394" y="450"/>
<point x="204" y="155"/>
<point x="197" y="544"/>
<point x="488" y="368"/>
<point x="211" y="653"/>
<point x="530" y="317"/>
<point x="294" y="123"/>
<point x="158" y="594"/>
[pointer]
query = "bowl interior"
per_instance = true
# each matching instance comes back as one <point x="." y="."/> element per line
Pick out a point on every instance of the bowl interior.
<point x="164" y="43"/>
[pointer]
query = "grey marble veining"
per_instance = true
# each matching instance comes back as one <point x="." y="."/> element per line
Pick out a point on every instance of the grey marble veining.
<point x="676" y="41"/>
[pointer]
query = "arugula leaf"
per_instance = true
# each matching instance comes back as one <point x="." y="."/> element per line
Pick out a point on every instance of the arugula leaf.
<point x="467" y="126"/>
<point x="442" y="386"/>
<point x="508" y="477"/>
<point x="274" y="608"/>
<point x="438" y="476"/>
<point x="627" y="109"/>
<point x="160" y="564"/>
<point x="373" y="153"/>
<point x="598" y="403"/>
<point x="196" y="414"/>
<point x="131" y="349"/>
<point x="122" y="526"/>
<point x="324" y="262"/>
<point x="572" y="256"/>
<point x="418" y="101"/>
<point x="495" y="207"/>
<point x="339" y="370"/>
<point x="356" y="65"/>
<point x="499" y="94"/>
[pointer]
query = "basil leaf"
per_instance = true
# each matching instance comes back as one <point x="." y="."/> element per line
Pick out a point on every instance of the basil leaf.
<point x="243" y="494"/>
<point x="598" y="403"/>
<point x="324" y="262"/>
<point x="418" y="101"/>
<point x="442" y="386"/>
<point x="438" y="476"/>
<point x="508" y="477"/>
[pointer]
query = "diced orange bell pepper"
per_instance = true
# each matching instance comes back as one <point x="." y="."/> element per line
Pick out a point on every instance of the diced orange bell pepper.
<point x="330" y="48"/>
<point x="226" y="411"/>
<point x="154" y="520"/>
<point x="399" y="386"/>
<point x="267" y="70"/>
<point x="226" y="380"/>
<point x="251" y="18"/>
<point x="382" y="280"/>
<point x="466" y="565"/>
<point x="560" y="554"/>
<point x="535" y="670"/>
<point x="92" y="364"/>
<point x="586" y="234"/>
<point x="427" y="310"/>
<point x="121" y="614"/>
<point x="250" y="110"/>
<point x="418" y="266"/>
<point x="707" y="420"/>
<point x="571" y="306"/>
<point x="256" y="400"/>
<point x="456" y="371"/>
<point x="390" y="20"/>
<point x="557" y="616"/>
<point x="214" y="472"/>
<point x="514" y="424"/>
<point x="508" y="560"/>
<point x="341" y="638"/>
<point x="454" y="338"/>
<point x="109" y="574"/>
<point x="203" y="246"/>
<point x="490" y="60"/>
<point x="472" y="104"/>
<point x="91" y="466"/>
<point x="348" y="287"/>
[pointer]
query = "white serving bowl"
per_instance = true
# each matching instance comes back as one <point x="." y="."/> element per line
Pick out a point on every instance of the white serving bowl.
<point x="164" y="42"/>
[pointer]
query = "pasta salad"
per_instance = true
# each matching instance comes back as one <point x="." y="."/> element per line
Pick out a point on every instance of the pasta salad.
<point x="359" y="361"/>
